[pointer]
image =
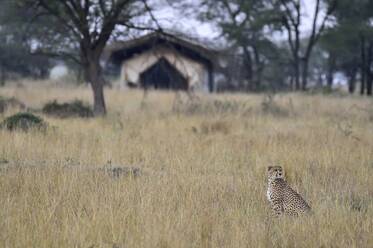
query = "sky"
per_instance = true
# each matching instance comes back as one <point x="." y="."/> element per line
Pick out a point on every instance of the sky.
<point x="187" y="22"/>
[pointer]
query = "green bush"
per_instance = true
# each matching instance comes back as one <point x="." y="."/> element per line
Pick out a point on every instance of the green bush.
<point x="64" y="110"/>
<point x="24" y="122"/>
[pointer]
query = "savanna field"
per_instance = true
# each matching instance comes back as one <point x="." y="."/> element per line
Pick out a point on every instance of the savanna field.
<point x="203" y="171"/>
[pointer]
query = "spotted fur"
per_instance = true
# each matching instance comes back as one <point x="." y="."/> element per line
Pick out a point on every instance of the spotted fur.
<point x="282" y="198"/>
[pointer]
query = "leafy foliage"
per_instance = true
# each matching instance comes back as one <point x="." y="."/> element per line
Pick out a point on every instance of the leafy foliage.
<point x="17" y="41"/>
<point x="243" y="24"/>
<point x="350" y="41"/>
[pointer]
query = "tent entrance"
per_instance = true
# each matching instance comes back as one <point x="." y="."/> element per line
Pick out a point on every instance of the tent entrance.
<point x="163" y="75"/>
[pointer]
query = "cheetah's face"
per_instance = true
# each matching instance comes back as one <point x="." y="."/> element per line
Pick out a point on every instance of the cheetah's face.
<point x="275" y="172"/>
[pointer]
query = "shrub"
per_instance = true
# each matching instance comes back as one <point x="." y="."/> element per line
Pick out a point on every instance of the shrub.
<point x="64" y="110"/>
<point x="24" y="122"/>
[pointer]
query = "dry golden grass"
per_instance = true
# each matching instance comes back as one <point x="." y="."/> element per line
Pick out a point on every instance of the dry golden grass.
<point x="203" y="181"/>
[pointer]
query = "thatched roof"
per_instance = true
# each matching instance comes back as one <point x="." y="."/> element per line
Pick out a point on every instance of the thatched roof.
<point x="124" y="50"/>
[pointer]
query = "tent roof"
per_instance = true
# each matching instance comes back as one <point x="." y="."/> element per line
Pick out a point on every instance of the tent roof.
<point x="124" y="50"/>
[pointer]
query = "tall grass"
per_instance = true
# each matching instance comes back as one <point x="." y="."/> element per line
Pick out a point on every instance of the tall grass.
<point x="203" y="180"/>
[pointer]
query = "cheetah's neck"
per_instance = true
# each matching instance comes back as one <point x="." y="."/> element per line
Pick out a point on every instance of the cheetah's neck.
<point x="271" y="185"/>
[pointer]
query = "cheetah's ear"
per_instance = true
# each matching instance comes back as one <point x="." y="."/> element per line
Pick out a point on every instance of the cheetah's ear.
<point x="270" y="168"/>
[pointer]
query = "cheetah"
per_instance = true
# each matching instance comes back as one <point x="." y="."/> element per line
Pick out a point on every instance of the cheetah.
<point x="282" y="198"/>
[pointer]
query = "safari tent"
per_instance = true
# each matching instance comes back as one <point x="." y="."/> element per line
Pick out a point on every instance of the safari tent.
<point x="163" y="61"/>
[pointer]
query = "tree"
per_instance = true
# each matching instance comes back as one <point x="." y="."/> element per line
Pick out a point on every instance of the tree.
<point x="343" y="53"/>
<point x="353" y="33"/>
<point x="242" y="23"/>
<point x="16" y="58"/>
<point x="291" y="18"/>
<point x="86" y="26"/>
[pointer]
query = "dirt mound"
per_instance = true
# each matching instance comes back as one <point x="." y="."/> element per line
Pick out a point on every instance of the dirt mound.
<point x="64" y="110"/>
<point x="24" y="122"/>
<point x="6" y="103"/>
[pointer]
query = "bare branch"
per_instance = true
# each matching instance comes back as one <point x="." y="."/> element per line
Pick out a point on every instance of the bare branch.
<point x="315" y="34"/>
<point x="289" y="15"/>
<point x="77" y="16"/>
<point x="326" y="18"/>
<point x="290" y="37"/>
<point x="61" y="19"/>
<point x="149" y="10"/>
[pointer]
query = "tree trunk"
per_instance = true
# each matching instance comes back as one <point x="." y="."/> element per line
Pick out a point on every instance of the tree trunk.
<point x="296" y="74"/>
<point x="304" y="73"/>
<point x="258" y="69"/>
<point x="319" y="79"/>
<point x="352" y="80"/>
<point x="331" y="69"/>
<point x="258" y="81"/>
<point x="329" y="80"/>
<point x="369" y="85"/>
<point x="249" y="69"/>
<point x="92" y="71"/>
<point x="362" y="66"/>
<point x="297" y="60"/>
<point x="369" y="69"/>
<point x="99" y="107"/>
<point x="2" y="76"/>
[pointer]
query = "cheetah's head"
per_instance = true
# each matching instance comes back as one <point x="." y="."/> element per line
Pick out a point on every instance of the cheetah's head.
<point x="275" y="172"/>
